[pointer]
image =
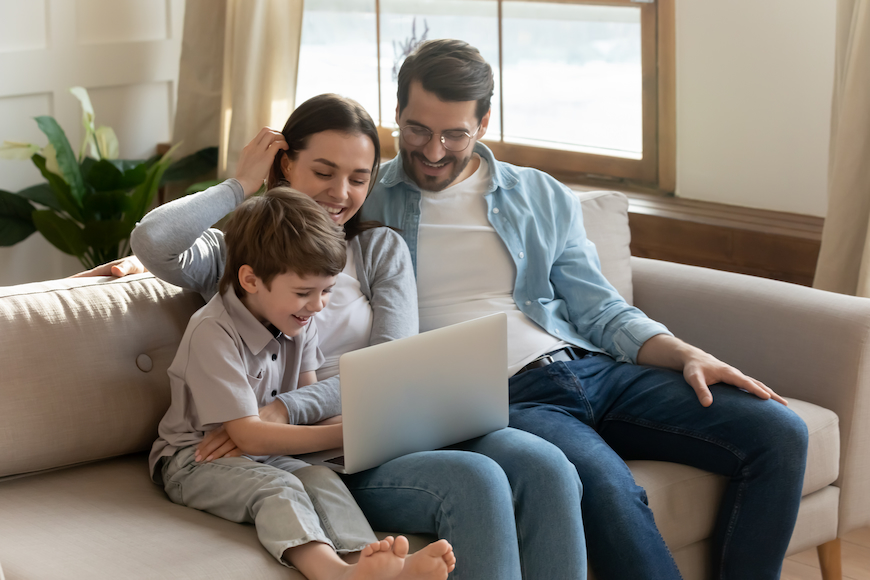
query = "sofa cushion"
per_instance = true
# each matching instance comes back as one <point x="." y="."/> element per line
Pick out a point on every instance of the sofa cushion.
<point x="85" y="362"/>
<point x="685" y="500"/>
<point x="605" y="216"/>
<point x="106" y="520"/>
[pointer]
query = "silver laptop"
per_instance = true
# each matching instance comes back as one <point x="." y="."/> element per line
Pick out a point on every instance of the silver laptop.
<point x="421" y="393"/>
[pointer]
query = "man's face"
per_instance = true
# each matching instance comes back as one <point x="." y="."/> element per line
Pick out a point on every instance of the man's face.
<point x="431" y="166"/>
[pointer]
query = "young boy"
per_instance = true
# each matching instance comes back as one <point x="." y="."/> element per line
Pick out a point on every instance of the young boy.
<point x="254" y="340"/>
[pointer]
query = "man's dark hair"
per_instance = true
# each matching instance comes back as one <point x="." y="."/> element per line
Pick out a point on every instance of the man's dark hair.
<point x="451" y="69"/>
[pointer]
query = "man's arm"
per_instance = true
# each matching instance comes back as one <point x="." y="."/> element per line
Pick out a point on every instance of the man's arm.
<point x="699" y="368"/>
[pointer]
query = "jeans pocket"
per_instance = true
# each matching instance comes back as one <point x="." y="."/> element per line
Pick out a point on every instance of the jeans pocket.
<point x="554" y="385"/>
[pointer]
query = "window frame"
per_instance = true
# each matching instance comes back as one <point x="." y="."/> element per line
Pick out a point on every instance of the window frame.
<point x="656" y="170"/>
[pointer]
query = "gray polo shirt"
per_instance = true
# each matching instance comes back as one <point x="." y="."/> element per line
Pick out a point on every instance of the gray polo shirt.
<point x="228" y="365"/>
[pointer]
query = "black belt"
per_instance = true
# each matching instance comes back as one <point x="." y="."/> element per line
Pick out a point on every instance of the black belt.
<point x="562" y="354"/>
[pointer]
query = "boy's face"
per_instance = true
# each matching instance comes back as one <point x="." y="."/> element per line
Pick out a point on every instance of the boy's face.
<point x="431" y="166"/>
<point x="289" y="302"/>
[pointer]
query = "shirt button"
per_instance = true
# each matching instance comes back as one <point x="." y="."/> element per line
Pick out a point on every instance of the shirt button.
<point x="274" y="357"/>
<point x="495" y="210"/>
<point x="528" y="302"/>
<point x="556" y="331"/>
<point x="274" y="393"/>
<point x="522" y="255"/>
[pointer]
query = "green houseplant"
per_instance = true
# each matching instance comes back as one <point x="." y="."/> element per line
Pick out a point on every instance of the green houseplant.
<point x="88" y="204"/>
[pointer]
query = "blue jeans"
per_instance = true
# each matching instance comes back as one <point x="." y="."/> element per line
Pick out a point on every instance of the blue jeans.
<point x="508" y="502"/>
<point x="601" y="412"/>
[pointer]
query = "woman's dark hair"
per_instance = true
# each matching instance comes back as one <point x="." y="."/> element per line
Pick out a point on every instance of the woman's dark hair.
<point x="451" y="69"/>
<point x="328" y="112"/>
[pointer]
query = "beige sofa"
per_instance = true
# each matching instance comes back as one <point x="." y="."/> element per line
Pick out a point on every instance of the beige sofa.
<point x="83" y="385"/>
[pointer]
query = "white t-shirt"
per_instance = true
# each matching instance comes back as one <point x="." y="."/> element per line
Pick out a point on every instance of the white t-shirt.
<point x="464" y="270"/>
<point x="346" y="322"/>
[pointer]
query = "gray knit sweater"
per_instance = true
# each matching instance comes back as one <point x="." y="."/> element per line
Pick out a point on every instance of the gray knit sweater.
<point x="176" y="242"/>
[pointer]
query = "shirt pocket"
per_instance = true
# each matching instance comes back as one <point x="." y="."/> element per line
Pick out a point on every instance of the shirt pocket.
<point x="256" y="380"/>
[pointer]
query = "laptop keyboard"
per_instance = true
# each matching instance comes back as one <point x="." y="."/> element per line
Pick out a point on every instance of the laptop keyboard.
<point x="336" y="460"/>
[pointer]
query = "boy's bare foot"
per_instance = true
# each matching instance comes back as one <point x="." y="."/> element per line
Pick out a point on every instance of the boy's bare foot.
<point x="433" y="562"/>
<point x="389" y="560"/>
<point x="376" y="562"/>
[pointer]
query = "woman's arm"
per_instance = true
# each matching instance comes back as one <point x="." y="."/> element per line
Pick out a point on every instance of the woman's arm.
<point x="387" y="278"/>
<point x="175" y="242"/>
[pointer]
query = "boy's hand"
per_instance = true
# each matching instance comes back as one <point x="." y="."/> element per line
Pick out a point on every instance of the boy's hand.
<point x="257" y="157"/>
<point x="216" y="444"/>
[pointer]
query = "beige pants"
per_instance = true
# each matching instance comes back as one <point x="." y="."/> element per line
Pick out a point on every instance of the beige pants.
<point x="311" y="504"/>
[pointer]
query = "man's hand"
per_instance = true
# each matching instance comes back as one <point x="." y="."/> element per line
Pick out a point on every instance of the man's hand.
<point x="119" y="268"/>
<point x="699" y="368"/>
<point x="257" y="158"/>
<point x="216" y="444"/>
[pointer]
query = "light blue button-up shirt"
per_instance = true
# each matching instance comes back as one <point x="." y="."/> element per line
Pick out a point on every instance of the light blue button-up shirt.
<point x="559" y="282"/>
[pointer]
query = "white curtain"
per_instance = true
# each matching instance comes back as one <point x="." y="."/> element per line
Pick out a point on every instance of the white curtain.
<point x="237" y="73"/>
<point x="844" y="260"/>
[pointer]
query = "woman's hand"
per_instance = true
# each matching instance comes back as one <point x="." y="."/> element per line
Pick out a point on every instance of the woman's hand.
<point x="118" y="268"/>
<point x="257" y="158"/>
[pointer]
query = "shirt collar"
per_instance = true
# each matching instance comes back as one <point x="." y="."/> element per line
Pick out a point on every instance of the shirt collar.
<point x="501" y="175"/>
<point x="255" y="335"/>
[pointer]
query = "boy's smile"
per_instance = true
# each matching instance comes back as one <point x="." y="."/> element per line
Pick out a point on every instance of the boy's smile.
<point x="289" y="301"/>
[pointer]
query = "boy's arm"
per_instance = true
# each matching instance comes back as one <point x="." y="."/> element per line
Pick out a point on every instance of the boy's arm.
<point x="256" y="437"/>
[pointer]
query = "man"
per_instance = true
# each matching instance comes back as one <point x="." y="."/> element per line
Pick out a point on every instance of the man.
<point x="590" y="373"/>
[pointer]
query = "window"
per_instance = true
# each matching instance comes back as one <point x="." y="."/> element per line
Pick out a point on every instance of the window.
<point x="583" y="89"/>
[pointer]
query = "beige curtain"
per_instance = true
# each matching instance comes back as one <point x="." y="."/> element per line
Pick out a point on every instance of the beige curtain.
<point x="844" y="260"/>
<point x="237" y="73"/>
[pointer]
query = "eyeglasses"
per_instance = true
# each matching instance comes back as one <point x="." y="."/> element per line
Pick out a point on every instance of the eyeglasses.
<point x="454" y="140"/>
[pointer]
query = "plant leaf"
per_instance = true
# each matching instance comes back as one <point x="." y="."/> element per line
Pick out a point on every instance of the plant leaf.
<point x="81" y="94"/>
<point x="201" y="186"/>
<point x="143" y="195"/>
<point x="107" y="142"/>
<point x="17" y="151"/>
<point x="16" y="222"/>
<point x="60" y="188"/>
<point x="43" y="194"/>
<point x="192" y="166"/>
<point x="51" y="160"/>
<point x="69" y="167"/>
<point x="106" y="205"/>
<point x="104" y="176"/>
<point x="105" y="234"/>
<point x="64" y="234"/>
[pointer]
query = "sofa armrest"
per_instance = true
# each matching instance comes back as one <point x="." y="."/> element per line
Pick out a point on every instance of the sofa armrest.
<point x="804" y="343"/>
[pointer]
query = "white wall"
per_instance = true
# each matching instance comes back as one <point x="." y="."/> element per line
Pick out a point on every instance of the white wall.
<point x="125" y="53"/>
<point x="754" y="85"/>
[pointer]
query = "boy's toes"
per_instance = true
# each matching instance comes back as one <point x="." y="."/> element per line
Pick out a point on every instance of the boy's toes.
<point x="401" y="546"/>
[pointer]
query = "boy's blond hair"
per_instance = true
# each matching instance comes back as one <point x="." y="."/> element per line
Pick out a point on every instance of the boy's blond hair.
<point x="281" y="231"/>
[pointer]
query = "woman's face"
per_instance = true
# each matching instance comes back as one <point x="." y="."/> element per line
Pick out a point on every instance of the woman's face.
<point x="335" y="170"/>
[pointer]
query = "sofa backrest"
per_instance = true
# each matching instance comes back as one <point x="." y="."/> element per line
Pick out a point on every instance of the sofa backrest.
<point x="605" y="216"/>
<point x="84" y="368"/>
<point x="83" y="361"/>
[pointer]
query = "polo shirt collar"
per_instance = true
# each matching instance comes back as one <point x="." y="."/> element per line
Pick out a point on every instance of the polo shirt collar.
<point x="255" y="335"/>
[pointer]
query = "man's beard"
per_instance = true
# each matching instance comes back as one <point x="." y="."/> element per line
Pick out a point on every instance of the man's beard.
<point x="430" y="182"/>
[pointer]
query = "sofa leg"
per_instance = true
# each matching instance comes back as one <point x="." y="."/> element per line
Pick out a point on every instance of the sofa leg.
<point x="829" y="560"/>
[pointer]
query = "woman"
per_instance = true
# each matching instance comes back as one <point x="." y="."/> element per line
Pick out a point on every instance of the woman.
<point x="508" y="502"/>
